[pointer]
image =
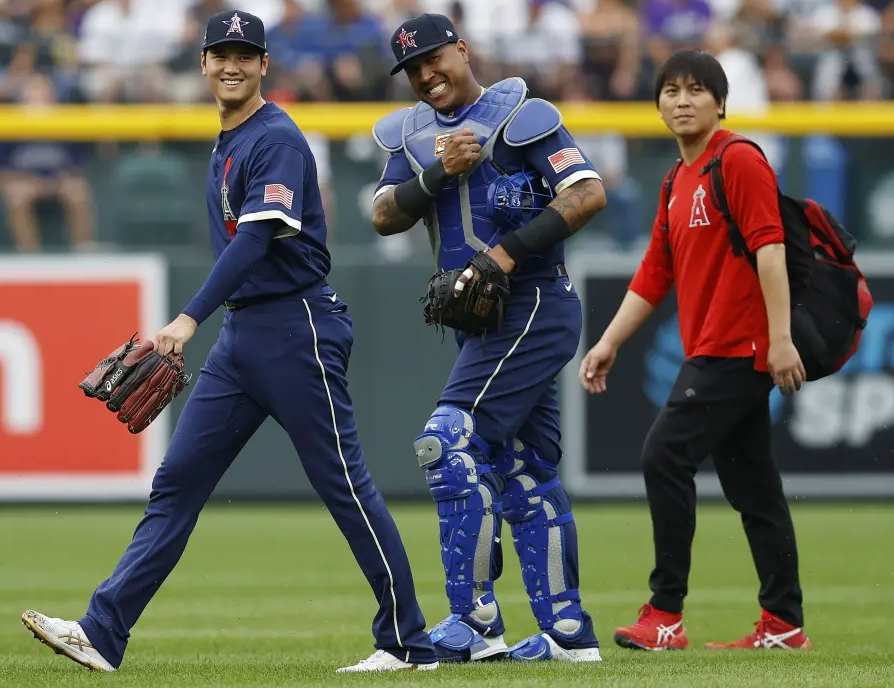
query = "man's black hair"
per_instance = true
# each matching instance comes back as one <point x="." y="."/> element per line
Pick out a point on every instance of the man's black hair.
<point x="701" y="67"/>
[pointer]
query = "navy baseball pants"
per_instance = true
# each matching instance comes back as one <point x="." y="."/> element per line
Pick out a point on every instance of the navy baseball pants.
<point x="287" y="359"/>
<point x="507" y="381"/>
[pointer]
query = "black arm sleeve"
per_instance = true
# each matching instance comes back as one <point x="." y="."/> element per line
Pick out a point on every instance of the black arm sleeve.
<point x="414" y="196"/>
<point x="543" y="232"/>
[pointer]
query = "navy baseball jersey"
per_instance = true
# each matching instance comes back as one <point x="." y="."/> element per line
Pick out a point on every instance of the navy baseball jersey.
<point x="263" y="181"/>
<point x="556" y="158"/>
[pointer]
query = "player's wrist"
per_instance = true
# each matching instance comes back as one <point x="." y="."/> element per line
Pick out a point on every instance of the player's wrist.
<point x="188" y="319"/>
<point x="502" y="258"/>
<point x="611" y="341"/>
<point x="434" y="177"/>
<point x="513" y="247"/>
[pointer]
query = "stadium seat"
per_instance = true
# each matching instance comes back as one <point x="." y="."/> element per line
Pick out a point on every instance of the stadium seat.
<point x="151" y="199"/>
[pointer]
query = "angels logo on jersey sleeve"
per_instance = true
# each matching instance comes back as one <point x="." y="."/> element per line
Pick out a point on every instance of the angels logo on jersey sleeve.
<point x="698" y="216"/>
<point x="230" y="218"/>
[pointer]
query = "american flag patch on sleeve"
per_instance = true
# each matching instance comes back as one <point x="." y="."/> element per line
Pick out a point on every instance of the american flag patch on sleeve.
<point x="565" y="158"/>
<point x="277" y="193"/>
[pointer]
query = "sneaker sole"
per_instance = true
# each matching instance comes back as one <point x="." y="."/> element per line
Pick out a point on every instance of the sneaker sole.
<point x="412" y="667"/>
<point x="721" y="648"/>
<point x="588" y="655"/>
<point x="59" y="647"/>
<point x="626" y="642"/>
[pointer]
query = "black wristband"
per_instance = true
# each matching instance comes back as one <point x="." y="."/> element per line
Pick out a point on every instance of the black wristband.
<point x="434" y="177"/>
<point x="414" y="196"/>
<point x="540" y="234"/>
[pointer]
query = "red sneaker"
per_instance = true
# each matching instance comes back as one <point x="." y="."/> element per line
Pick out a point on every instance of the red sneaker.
<point x="770" y="632"/>
<point x="655" y="630"/>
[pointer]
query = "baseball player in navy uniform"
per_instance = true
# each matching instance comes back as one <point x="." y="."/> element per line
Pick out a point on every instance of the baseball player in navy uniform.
<point x="283" y="352"/>
<point x="488" y="169"/>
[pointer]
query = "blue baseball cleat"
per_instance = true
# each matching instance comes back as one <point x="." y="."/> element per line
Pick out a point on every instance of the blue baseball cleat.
<point x="544" y="647"/>
<point x="461" y="639"/>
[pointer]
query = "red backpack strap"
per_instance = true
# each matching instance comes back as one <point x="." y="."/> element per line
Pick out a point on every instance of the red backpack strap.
<point x="718" y="193"/>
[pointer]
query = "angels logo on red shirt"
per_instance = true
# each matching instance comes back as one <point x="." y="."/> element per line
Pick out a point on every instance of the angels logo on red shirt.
<point x="698" y="217"/>
<point x="406" y="40"/>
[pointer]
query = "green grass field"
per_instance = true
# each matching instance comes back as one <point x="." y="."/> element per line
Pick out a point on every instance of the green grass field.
<point x="270" y="596"/>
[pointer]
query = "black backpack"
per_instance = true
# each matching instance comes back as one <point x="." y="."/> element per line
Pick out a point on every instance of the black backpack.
<point x="830" y="299"/>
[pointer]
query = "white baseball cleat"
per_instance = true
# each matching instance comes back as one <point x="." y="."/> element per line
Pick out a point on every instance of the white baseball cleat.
<point x="66" y="638"/>
<point x="382" y="661"/>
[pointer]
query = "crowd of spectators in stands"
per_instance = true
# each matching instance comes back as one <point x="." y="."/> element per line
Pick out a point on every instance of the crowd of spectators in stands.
<point x="146" y="51"/>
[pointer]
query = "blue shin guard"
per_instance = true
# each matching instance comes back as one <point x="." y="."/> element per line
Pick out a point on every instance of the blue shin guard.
<point x="454" y="460"/>
<point x="538" y="510"/>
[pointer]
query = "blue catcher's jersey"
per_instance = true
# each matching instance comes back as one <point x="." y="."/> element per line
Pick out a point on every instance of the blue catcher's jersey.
<point x="527" y="158"/>
<point x="262" y="178"/>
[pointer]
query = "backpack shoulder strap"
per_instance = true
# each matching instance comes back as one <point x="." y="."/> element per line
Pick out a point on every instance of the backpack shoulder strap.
<point x="665" y="208"/>
<point x="718" y="194"/>
<point x="668" y="186"/>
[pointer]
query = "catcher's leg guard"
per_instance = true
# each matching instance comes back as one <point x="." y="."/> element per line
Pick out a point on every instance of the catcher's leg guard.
<point x="469" y="510"/>
<point x="538" y="510"/>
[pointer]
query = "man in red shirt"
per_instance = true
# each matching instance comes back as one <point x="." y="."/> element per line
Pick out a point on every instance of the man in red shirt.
<point x="735" y="327"/>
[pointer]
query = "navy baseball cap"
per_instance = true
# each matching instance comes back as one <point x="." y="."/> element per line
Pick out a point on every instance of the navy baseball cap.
<point x="420" y="35"/>
<point x="235" y="26"/>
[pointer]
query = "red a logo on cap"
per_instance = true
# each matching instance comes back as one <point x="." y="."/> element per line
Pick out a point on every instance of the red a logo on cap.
<point x="406" y="40"/>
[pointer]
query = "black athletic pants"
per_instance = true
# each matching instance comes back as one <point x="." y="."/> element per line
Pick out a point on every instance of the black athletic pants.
<point x="720" y="407"/>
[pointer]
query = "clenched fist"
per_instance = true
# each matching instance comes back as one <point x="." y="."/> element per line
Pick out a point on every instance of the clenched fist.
<point x="461" y="152"/>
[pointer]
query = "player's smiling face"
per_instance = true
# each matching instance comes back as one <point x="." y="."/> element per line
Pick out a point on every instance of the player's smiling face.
<point x="234" y="71"/>
<point x="687" y="107"/>
<point x="441" y="77"/>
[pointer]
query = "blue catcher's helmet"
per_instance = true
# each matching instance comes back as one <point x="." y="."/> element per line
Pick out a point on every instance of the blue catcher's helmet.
<point x="517" y="199"/>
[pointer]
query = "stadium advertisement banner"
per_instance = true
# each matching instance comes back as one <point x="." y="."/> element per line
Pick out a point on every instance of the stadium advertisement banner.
<point x="834" y="438"/>
<point x="59" y="316"/>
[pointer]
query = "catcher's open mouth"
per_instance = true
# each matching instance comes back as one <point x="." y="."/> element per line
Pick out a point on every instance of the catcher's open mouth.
<point x="436" y="90"/>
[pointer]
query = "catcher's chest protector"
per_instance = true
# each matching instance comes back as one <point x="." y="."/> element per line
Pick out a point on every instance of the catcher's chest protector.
<point x="462" y="222"/>
<point x="460" y="225"/>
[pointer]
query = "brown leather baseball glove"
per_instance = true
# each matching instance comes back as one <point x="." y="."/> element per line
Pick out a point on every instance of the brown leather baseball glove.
<point x="136" y="382"/>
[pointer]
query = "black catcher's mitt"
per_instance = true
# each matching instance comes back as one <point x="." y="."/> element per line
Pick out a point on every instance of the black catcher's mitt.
<point x="136" y="382"/>
<point x="480" y="305"/>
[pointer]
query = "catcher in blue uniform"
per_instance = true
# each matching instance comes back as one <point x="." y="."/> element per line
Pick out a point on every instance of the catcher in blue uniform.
<point x="500" y="184"/>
